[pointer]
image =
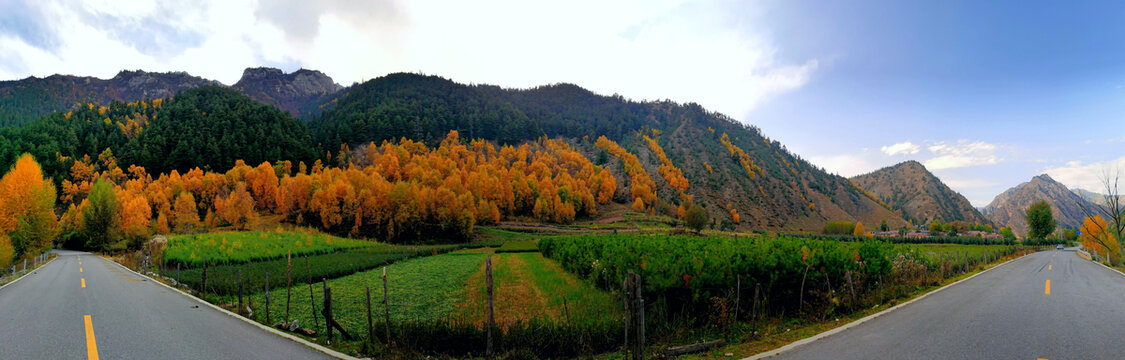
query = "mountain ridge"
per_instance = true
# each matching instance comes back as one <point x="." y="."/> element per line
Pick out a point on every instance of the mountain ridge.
<point x="918" y="195"/>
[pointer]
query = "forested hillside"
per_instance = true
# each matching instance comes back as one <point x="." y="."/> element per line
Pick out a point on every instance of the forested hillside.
<point x="734" y="172"/>
<point x="23" y="101"/>
<point x="207" y="127"/>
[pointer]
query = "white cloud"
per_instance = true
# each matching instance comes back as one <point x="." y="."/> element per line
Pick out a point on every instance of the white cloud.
<point x="671" y="49"/>
<point x="904" y="148"/>
<point x="962" y="154"/>
<point x="846" y="165"/>
<point x="957" y="184"/>
<point x="1086" y="176"/>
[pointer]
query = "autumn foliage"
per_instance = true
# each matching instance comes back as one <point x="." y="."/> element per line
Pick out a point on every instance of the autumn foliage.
<point x="393" y="191"/>
<point x="667" y="170"/>
<point x="27" y="218"/>
<point x="743" y="158"/>
<point x="641" y="186"/>
<point x="1096" y="237"/>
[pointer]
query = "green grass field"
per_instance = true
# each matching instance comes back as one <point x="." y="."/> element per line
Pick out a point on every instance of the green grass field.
<point x="528" y="286"/>
<point x="241" y="247"/>
<point x="421" y="289"/>
<point x="518" y="246"/>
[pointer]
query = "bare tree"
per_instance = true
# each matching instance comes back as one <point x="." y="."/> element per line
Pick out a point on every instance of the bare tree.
<point x="1109" y="210"/>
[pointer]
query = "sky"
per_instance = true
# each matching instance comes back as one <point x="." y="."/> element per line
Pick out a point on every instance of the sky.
<point x="985" y="94"/>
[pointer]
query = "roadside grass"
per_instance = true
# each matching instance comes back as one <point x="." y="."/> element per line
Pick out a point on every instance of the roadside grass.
<point x="242" y="247"/>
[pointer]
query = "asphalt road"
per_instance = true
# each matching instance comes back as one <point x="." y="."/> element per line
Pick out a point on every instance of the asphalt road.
<point x="1005" y="313"/>
<point x="81" y="306"/>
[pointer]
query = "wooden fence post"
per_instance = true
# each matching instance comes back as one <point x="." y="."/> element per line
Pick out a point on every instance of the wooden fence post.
<point x="203" y="288"/>
<point x="641" y="319"/>
<point x="851" y="287"/>
<point x="491" y="318"/>
<point x="239" y="310"/>
<point x="370" y="325"/>
<point x="566" y="310"/>
<point x="737" y="295"/>
<point x="327" y="310"/>
<point x="288" y="283"/>
<point x="267" y="297"/>
<point x="386" y="308"/>
<point x="757" y="287"/>
<point x="628" y="315"/>
<point x="312" y="299"/>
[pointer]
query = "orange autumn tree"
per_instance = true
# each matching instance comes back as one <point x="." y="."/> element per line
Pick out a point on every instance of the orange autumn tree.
<point x="237" y="209"/>
<point x="27" y="218"/>
<point x="1096" y="237"/>
<point x="263" y="184"/>
<point x="186" y="213"/>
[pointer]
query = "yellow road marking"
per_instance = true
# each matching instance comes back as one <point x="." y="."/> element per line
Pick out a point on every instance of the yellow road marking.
<point x="1047" y="289"/>
<point x="79" y="269"/>
<point x="83" y="283"/>
<point x="1049" y="267"/>
<point x="91" y="342"/>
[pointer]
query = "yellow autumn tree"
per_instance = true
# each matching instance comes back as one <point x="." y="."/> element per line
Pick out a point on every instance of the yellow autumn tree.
<point x="859" y="229"/>
<point x="1097" y="238"/>
<point x="236" y="209"/>
<point x="27" y="208"/>
<point x="186" y="215"/>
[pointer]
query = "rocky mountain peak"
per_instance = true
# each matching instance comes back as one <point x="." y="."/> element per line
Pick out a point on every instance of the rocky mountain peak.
<point x="291" y="92"/>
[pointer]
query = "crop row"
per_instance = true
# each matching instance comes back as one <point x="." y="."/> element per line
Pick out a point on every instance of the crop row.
<point x="224" y="279"/>
<point x="690" y="270"/>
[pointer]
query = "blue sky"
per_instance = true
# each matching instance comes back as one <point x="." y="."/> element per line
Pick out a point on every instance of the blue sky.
<point x="986" y="94"/>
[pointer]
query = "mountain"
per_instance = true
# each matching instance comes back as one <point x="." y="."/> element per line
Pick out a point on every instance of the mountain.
<point x="1010" y="207"/>
<point x="724" y="161"/>
<point x="1093" y="197"/>
<point x="23" y="101"/>
<point x="300" y="93"/>
<point x="918" y="195"/>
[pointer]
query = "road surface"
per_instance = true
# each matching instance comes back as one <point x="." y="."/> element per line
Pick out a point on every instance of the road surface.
<point x="1047" y="305"/>
<point x="81" y="306"/>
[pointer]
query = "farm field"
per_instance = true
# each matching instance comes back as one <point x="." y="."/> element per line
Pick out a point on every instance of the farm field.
<point x="223" y="279"/>
<point x="528" y="286"/>
<point x="241" y="247"/>
<point x="421" y="289"/>
<point x="549" y="287"/>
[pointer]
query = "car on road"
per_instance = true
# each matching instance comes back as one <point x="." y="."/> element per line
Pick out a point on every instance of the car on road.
<point x="1060" y="247"/>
